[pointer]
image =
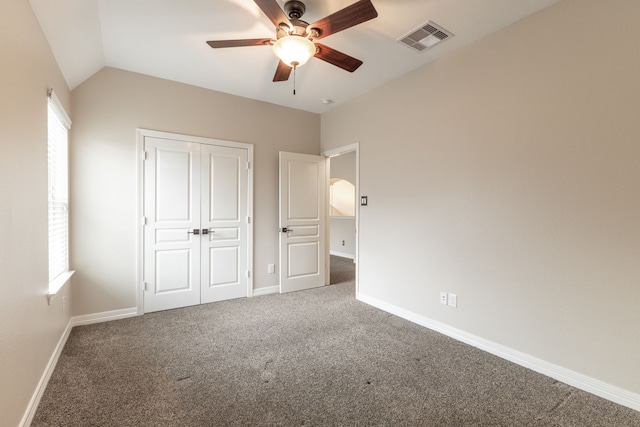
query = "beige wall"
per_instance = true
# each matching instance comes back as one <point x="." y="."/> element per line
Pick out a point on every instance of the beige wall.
<point x="508" y="173"/>
<point x="29" y="328"/>
<point x="107" y="109"/>
<point x="344" y="166"/>
<point x="342" y="236"/>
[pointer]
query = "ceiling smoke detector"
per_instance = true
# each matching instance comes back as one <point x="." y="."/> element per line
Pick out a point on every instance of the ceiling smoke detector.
<point x="425" y="37"/>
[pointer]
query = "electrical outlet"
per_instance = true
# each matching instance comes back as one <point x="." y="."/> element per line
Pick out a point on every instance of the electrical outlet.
<point x="343" y="243"/>
<point x="271" y="268"/>
<point x="453" y="300"/>
<point x="443" y="298"/>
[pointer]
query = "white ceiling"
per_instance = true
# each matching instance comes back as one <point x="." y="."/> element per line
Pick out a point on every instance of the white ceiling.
<point x="167" y="39"/>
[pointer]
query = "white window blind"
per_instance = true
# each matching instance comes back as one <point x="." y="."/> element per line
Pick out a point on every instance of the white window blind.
<point x="58" y="194"/>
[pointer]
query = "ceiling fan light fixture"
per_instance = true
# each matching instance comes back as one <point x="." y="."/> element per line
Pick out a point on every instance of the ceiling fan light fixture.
<point x="294" y="50"/>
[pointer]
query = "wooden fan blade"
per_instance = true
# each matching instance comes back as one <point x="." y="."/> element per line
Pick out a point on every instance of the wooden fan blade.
<point x="239" y="43"/>
<point x="273" y="11"/>
<point x="337" y="58"/>
<point x="350" y="16"/>
<point x="282" y="72"/>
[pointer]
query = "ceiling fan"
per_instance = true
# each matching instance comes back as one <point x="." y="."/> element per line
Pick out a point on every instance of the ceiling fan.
<point x="295" y="39"/>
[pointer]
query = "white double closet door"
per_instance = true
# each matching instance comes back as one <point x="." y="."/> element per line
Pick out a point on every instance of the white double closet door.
<point x="196" y="228"/>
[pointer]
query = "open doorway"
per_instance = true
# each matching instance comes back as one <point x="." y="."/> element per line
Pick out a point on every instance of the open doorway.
<point x="342" y="176"/>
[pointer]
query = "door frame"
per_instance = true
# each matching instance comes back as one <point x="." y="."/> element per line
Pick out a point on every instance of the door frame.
<point x="333" y="153"/>
<point x="141" y="134"/>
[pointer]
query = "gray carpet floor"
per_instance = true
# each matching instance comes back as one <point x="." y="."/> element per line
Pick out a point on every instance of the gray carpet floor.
<point x="342" y="270"/>
<point x="312" y="358"/>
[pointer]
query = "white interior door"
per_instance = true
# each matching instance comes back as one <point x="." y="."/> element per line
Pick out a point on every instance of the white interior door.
<point x="196" y="234"/>
<point x="224" y="222"/>
<point x="172" y="212"/>
<point x="302" y="221"/>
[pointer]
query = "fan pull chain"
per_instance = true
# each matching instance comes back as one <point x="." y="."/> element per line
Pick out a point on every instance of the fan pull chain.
<point x="294" y="80"/>
<point x="295" y="65"/>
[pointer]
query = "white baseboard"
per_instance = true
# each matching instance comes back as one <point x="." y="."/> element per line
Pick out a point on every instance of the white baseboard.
<point x="266" y="291"/>
<point x="567" y="376"/>
<point x="105" y="316"/>
<point x="342" y="254"/>
<point x="44" y="380"/>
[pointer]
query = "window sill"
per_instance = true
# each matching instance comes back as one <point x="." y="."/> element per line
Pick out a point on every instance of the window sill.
<point x="56" y="284"/>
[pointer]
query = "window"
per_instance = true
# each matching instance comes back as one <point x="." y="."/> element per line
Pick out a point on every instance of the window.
<point x="58" y="194"/>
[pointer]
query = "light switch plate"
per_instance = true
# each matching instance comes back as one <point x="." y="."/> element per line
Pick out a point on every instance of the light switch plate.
<point x="453" y="300"/>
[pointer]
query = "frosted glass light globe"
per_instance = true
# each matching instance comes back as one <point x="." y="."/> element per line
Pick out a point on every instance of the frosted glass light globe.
<point x="294" y="50"/>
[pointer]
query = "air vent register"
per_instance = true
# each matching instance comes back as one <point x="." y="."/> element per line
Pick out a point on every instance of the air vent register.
<point x="425" y="37"/>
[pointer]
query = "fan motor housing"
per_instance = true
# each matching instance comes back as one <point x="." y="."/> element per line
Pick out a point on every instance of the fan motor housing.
<point x="298" y="28"/>
<point x="294" y="9"/>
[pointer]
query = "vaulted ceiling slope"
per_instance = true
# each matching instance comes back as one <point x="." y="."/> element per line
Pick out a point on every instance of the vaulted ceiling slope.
<point x="167" y="39"/>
